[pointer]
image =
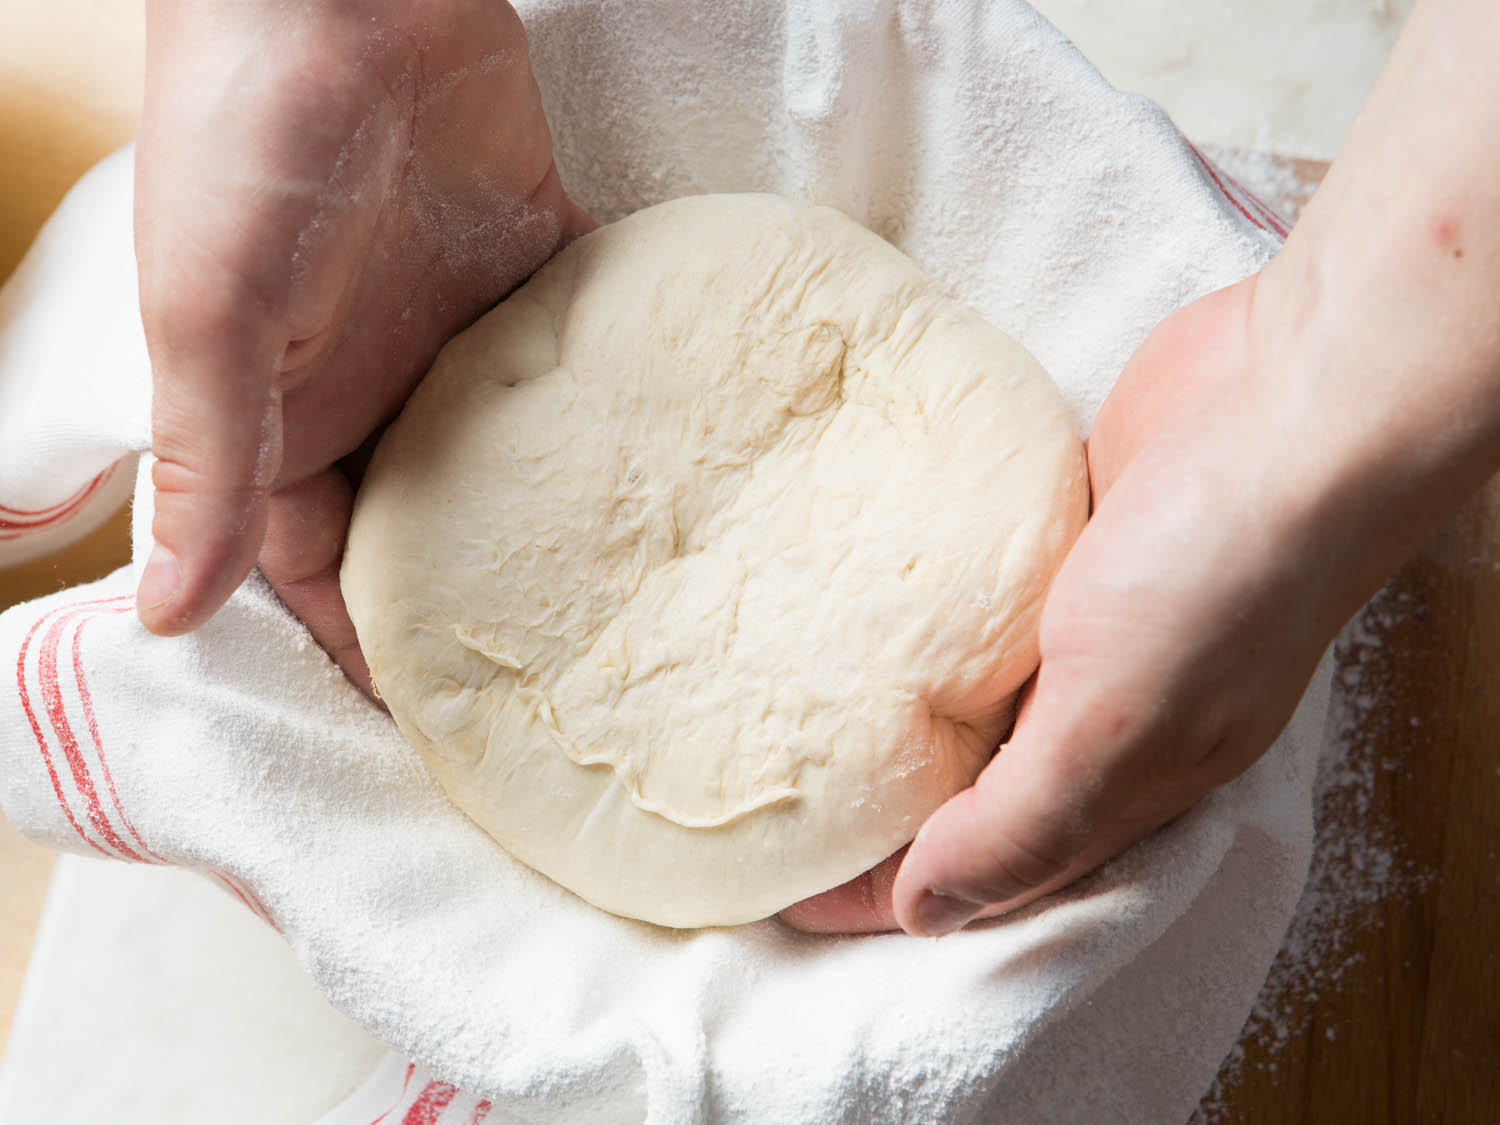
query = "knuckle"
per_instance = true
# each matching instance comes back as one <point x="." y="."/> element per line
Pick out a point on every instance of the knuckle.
<point x="192" y="506"/>
<point x="201" y="452"/>
<point x="1016" y="866"/>
<point x="206" y="327"/>
<point x="991" y="857"/>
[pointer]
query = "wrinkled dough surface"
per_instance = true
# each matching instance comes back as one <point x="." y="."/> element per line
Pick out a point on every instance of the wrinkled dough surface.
<point x="708" y="564"/>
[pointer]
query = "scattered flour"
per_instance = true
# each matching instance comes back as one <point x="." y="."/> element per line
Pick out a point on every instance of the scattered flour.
<point x="1358" y="863"/>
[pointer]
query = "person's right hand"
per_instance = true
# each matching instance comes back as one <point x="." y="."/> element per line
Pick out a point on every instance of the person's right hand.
<point x="325" y="193"/>
<point x="1175" y="640"/>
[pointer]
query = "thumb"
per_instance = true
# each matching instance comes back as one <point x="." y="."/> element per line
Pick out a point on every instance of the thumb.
<point x="1051" y="806"/>
<point x="216" y="435"/>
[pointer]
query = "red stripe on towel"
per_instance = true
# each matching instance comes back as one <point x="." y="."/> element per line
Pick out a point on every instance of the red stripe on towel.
<point x="18" y="520"/>
<point x="36" y="727"/>
<point x="430" y="1104"/>
<point x="1224" y="191"/>
<point x="242" y="891"/>
<point x="1272" y="216"/>
<point x="1243" y="200"/>
<point x="90" y="720"/>
<point x="52" y="700"/>
<point x="405" y="1082"/>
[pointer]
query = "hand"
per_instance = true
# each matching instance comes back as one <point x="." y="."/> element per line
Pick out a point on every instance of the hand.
<point x="325" y="193"/>
<point x="1175" y="643"/>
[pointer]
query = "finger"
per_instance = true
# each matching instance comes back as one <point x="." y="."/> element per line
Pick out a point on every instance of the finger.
<point x="864" y="904"/>
<point x="950" y="899"/>
<point x="860" y="906"/>
<point x="1050" y="807"/>
<point x="576" y="222"/>
<point x="216" y="436"/>
<point x="307" y="525"/>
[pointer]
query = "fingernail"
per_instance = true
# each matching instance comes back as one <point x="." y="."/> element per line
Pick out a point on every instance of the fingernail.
<point x="159" y="580"/>
<point x="940" y="914"/>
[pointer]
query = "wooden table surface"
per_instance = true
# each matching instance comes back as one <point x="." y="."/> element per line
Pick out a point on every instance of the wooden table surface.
<point x="1404" y="1021"/>
<point x="1388" y="1003"/>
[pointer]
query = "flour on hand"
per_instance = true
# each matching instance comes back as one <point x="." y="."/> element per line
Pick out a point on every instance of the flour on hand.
<point x="707" y="565"/>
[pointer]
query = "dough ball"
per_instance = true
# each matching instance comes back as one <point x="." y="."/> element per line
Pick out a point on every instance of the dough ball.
<point x="706" y="566"/>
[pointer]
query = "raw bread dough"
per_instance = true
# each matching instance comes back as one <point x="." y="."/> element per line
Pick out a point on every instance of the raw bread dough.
<point x="707" y="565"/>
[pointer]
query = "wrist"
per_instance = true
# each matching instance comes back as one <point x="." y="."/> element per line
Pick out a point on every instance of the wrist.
<point x="1377" y="384"/>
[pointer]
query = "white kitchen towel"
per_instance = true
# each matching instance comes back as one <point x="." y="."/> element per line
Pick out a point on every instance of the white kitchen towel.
<point x="65" y="461"/>
<point x="972" y="136"/>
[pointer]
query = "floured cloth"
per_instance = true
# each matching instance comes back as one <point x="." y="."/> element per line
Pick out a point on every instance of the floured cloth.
<point x="976" y="139"/>
<point x="153" y="998"/>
